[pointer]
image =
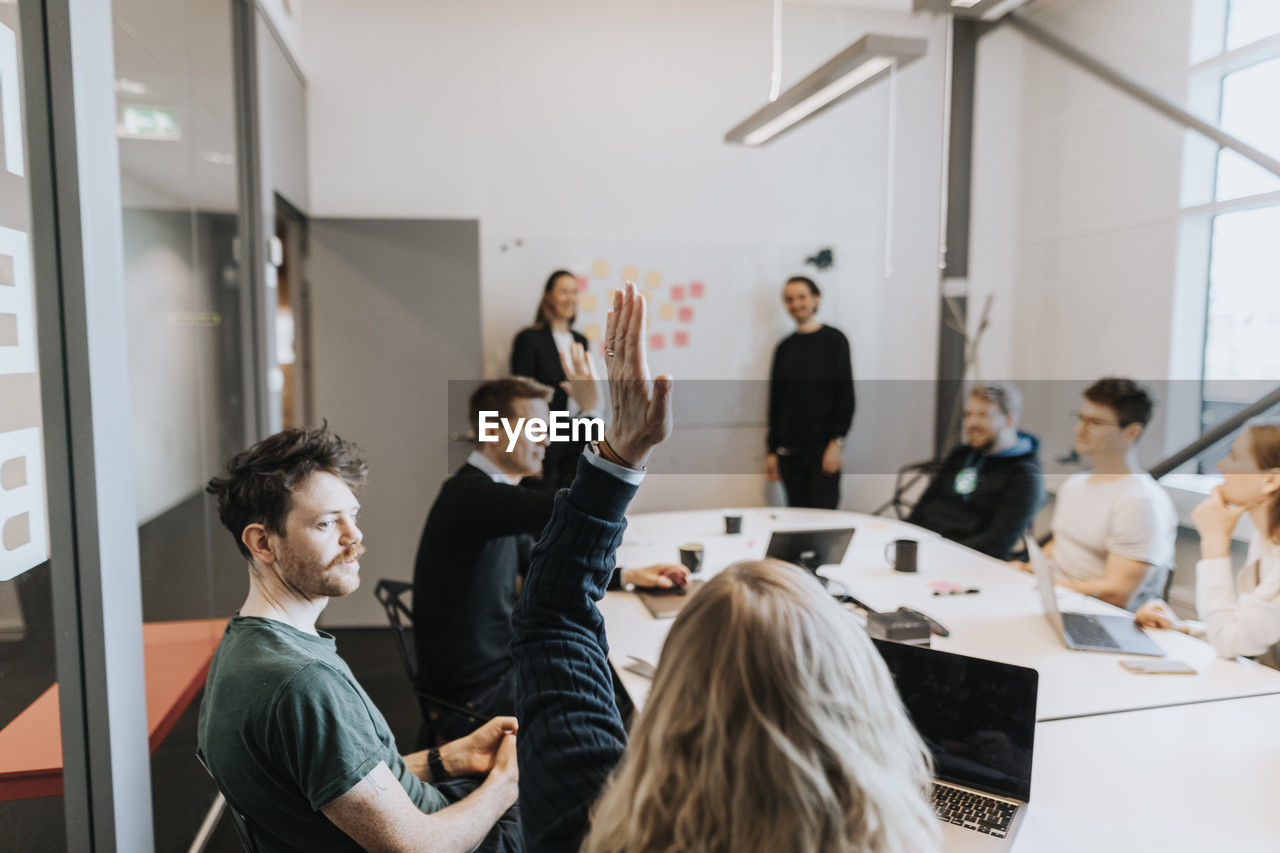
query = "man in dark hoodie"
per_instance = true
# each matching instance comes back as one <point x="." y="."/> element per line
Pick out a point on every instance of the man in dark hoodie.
<point x="990" y="487"/>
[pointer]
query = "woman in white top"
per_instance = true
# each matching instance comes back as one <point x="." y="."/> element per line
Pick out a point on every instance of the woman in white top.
<point x="1242" y="613"/>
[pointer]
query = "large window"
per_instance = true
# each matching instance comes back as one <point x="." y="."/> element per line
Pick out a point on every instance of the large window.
<point x="1242" y="323"/>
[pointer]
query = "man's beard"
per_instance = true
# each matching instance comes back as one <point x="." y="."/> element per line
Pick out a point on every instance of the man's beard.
<point x="331" y="581"/>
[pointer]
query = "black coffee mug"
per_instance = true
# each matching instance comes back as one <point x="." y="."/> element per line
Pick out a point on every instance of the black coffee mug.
<point x="904" y="554"/>
<point x="691" y="556"/>
<point x="732" y="523"/>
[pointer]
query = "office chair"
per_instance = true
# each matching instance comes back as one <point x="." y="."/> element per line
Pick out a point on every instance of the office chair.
<point x="391" y="595"/>
<point x="244" y="828"/>
<point x="908" y="476"/>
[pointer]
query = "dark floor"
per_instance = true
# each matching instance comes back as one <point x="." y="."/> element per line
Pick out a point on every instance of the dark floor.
<point x="181" y="792"/>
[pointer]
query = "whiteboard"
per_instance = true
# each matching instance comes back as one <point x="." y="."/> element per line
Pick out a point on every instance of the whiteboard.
<point x="714" y="309"/>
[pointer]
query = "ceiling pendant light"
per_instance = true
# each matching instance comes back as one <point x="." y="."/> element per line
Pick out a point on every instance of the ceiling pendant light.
<point x="857" y="65"/>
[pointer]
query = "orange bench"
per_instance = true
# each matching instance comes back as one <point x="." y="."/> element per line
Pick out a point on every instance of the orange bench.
<point x="177" y="657"/>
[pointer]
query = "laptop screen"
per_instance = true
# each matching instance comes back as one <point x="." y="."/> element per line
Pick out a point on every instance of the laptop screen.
<point x="977" y="717"/>
<point x="810" y="549"/>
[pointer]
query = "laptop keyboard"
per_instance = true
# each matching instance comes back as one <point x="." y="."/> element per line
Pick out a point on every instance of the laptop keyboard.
<point x="973" y="811"/>
<point x="1087" y="632"/>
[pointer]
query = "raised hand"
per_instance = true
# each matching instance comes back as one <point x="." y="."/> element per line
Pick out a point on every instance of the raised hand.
<point x="580" y="378"/>
<point x="641" y="406"/>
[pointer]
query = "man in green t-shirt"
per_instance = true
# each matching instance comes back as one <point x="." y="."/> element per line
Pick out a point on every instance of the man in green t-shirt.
<point x="289" y="735"/>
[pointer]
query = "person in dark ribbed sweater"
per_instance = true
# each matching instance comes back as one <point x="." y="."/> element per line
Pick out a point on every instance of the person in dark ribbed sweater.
<point x="811" y="403"/>
<point x="989" y="488"/>
<point x="772" y="723"/>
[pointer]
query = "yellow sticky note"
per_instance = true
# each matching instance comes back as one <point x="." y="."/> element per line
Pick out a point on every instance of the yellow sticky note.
<point x="587" y="302"/>
<point x="592" y="332"/>
<point x="653" y="279"/>
<point x="630" y="274"/>
<point x="666" y="310"/>
<point x="600" y="269"/>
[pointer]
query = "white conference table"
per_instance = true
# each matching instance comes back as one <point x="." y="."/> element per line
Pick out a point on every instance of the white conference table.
<point x="1122" y="762"/>
<point x="1003" y="621"/>
<point x="1187" y="778"/>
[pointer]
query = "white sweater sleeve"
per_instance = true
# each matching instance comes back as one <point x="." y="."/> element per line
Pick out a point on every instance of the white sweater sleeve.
<point x="1236" y="624"/>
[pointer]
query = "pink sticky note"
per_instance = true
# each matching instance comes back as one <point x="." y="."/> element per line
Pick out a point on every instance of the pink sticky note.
<point x="686" y="314"/>
<point x="677" y="293"/>
<point x="697" y="290"/>
<point x="582" y="283"/>
<point x="680" y="338"/>
<point x="657" y="341"/>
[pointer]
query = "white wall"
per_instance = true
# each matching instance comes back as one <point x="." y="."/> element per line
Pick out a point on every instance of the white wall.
<point x="1076" y="204"/>
<point x="579" y="120"/>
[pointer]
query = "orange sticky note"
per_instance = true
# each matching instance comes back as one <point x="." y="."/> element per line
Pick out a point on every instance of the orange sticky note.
<point x="600" y="269"/>
<point x="592" y="332"/>
<point x="630" y="274"/>
<point x="666" y="311"/>
<point x="653" y="279"/>
<point x="587" y="302"/>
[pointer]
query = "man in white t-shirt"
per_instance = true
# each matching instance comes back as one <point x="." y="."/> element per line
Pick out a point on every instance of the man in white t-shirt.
<point x="1113" y="527"/>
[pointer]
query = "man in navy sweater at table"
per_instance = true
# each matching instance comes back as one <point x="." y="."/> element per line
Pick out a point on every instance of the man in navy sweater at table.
<point x="474" y="549"/>
<point x="989" y="488"/>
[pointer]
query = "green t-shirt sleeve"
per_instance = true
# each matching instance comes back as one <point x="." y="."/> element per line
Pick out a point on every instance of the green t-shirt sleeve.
<point x="323" y="734"/>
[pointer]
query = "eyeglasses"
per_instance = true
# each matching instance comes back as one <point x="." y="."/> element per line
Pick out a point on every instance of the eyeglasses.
<point x="1092" y="422"/>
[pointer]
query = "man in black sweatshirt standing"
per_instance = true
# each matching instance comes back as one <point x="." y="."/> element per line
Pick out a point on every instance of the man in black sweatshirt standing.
<point x="810" y="403"/>
<point x="990" y="487"/>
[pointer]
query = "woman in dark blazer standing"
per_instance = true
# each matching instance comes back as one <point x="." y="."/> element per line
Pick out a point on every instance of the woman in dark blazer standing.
<point x="536" y="354"/>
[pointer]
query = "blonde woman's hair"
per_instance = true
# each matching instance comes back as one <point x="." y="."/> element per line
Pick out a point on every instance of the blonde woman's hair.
<point x="772" y="725"/>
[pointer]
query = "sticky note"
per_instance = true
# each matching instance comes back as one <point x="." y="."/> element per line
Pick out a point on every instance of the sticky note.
<point x="686" y="313"/>
<point x="657" y="341"/>
<point x="680" y="338"/>
<point x="600" y="269"/>
<point x="630" y="274"/>
<point x="677" y="293"/>
<point x="666" y="311"/>
<point x="587" y="302"/>
<point x="697" y="290"/>
<point x="653" y="279"/>
<point x="592" y="332"/>
<point x="583" y="284"/>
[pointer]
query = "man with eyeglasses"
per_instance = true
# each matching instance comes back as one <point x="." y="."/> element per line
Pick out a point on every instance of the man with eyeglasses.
<point x="1113" y="526"/>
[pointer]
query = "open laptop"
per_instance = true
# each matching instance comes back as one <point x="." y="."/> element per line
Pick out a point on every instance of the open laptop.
<point x="1087" y="632"/>
<point x="810" y="549"/>
<point x="978" y="719"/>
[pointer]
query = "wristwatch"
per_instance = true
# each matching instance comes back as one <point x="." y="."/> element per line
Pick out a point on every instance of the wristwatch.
<point x="436" y="766"/>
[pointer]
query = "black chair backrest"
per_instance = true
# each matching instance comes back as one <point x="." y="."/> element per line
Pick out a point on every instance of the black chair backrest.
<point x="239" y="820"/>
<point x="390" y="595"/>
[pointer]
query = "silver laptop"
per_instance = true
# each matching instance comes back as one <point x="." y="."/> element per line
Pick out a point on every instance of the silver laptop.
<point x="978" y="719"/>
<point x="1087" y="632"/>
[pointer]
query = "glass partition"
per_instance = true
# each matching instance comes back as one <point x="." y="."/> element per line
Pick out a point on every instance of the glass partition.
<point x="176" y="124"/>
<point x="31" y="808"/>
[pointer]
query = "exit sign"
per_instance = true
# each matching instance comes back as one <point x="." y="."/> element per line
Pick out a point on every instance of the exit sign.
<point x="148" y="123"/>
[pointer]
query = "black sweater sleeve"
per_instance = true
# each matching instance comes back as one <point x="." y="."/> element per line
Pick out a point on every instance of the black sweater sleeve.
<point x="571" y="734"/>
<point x="488" y="509"/>
<point x="775" y="404"/>
<point x="842" y="399"/>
